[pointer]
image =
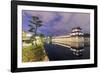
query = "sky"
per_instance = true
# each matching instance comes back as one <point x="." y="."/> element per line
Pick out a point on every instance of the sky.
<point x="57" y="23"/>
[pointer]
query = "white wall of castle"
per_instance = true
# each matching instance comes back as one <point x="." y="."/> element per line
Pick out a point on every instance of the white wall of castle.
<point x="69" y="40"/>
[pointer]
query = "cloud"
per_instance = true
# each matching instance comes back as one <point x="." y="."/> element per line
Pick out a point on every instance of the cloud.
<point x="59" y="23"/>
<point x="44" y="16"/>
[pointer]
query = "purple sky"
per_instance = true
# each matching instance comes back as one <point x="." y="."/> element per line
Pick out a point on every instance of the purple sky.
<point x="57" y="23"/>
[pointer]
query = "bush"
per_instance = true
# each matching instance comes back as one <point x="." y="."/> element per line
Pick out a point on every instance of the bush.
<point x="33" y="53"/>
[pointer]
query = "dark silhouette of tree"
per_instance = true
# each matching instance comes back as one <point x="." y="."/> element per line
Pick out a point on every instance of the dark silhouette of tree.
<point x="35" y="23"/>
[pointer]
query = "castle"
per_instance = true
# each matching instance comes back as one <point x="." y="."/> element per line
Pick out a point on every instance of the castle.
<point x="74" y="39"/>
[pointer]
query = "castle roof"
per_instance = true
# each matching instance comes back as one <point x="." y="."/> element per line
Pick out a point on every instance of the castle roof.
<point x="77" y="28"/>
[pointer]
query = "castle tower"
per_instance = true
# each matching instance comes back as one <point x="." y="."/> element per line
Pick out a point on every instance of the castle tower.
<point x="77" y="31"/>
<point x="77" y="37"/>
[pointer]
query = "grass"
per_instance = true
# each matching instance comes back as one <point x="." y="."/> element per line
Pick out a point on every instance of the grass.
<point x="33" y="53"/>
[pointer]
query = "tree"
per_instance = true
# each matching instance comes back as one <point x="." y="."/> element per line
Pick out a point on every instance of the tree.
<point x="35" y="23"/>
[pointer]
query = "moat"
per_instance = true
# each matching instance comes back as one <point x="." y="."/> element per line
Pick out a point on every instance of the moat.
<point x="58" y="52"/>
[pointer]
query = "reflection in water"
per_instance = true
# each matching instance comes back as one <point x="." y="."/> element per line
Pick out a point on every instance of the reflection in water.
<point x="67" y="48"/>
<point x="77" y="48"/>
<point x="76" y="40"/>
<point x="77" y="44"/>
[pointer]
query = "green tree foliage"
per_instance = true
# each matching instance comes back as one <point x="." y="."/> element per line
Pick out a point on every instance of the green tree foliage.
<point x="35" y="23"/>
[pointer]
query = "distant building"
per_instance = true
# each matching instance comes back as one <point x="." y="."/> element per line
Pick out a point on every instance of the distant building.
<point x="26" y="39"/>
<point x="77" y="31"/>
<point x="26" y="36"/>
<point x="77" y="35"/>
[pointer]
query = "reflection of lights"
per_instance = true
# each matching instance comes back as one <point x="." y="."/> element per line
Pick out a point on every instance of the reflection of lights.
<point x="77" y="52"/>
<point x="29" y="35"/>
<point x="80" y="50"/>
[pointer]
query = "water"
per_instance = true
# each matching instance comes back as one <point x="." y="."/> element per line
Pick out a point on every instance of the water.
<point x="74" y="52"/>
